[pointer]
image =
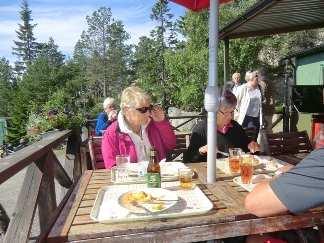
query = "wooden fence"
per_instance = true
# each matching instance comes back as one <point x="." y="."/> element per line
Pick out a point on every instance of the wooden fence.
<point x="38" y="188"/>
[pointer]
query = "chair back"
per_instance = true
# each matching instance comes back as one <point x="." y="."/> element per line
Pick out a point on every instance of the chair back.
<point x="95" y="152"/>
<point x="288" y="143"/>
<point x="182" y="143"/>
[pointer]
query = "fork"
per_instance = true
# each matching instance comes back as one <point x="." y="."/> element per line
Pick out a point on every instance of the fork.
<point x="136" y="204"/>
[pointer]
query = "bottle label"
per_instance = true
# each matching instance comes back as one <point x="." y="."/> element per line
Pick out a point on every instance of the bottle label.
<point x="153" y="180"/>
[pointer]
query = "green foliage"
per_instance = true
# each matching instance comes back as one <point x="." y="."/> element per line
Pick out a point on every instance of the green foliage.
<point x="19" y="116"/>
<point x="150" y="63"/>
<point x="54" y="114"/>
<point x="6" y="86"/>
<point x="103" y="54"/>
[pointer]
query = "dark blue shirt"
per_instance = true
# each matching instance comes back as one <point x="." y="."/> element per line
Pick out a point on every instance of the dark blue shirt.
<point x="102" y="123"/>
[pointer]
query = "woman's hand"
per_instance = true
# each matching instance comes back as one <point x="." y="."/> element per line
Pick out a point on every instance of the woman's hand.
<point x="253" y="147"/>
<point x="203" y="150"/>
<point x="112" y="115"/>
<point x="157" y="114"/>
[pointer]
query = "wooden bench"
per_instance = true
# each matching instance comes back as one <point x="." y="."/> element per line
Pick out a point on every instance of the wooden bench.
<point x="182" y="143"/>
<point x="289" y="143"/>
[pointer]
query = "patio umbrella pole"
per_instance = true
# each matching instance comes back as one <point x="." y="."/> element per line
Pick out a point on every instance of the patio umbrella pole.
<point x="211" y="93"/>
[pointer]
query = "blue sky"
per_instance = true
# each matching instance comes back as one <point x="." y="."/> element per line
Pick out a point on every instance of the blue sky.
<point x="64" y="20"/>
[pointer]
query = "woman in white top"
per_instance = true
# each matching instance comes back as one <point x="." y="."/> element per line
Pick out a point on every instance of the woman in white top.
<point x="249" y="103"/>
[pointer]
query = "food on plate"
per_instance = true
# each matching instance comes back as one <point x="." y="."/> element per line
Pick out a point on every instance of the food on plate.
<point x="140" y="196"/>
<point x="158" y="207"/>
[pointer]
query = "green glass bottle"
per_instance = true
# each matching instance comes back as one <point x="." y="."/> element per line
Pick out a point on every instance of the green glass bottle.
<point x="153" y="176"/>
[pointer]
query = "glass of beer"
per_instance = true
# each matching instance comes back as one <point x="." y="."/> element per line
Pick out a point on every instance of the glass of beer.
<point x="246" y="167"/>
<point x="185" y="178"/>
<point x="234" y="159"/>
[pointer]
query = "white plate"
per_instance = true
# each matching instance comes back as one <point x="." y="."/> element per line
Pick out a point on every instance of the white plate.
<point x="255" y="180"/>
<point x="171" y="168"/>
<point x="161" y="200"/>
<point x="270" y="163"/>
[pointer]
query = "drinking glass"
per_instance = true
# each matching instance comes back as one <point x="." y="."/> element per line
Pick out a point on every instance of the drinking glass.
<point x="122" y="160"/>
<point x="234" y="159"/>
<point x="185" y="178"/>
<point x="246" y="167"/>
<point x="120" y="171"/>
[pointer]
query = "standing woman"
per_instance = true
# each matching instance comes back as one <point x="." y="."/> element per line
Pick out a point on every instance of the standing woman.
<point x="139" y="127"/>
<point x="249" y="103"/>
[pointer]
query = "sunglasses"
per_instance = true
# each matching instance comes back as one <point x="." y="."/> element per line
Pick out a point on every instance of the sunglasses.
<point x="145" y="109"/>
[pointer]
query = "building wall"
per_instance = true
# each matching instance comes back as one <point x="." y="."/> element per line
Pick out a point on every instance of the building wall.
<point x="310" y="69"/>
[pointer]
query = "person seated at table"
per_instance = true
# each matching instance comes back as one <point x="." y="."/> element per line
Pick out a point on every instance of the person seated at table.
<point x="139" y="127"/>
<point x="229" y="133"/>
<point x="298" y="189"/>
<point x="106" y="117"/>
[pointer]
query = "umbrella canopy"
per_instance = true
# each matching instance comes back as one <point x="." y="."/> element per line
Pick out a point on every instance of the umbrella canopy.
<point x="211" y="93"/>
<point x="197" y="5"/>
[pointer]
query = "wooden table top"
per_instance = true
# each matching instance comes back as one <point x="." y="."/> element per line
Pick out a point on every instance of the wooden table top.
<point x="228" y="218"/>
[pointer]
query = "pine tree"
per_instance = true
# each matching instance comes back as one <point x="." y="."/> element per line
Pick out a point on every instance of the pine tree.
<point x="6" y="86"/>
<point x="26" y="46"/>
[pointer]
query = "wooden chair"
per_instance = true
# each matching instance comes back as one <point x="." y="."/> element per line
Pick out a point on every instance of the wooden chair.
<point x="288" y="143"/>
<point x="182" y="143"/>
<point x="95" y="152"/>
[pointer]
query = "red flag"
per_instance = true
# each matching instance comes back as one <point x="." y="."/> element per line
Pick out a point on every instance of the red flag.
<point x="197" y="5"/>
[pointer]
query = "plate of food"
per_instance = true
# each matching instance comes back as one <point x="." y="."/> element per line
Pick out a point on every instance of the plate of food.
<point x="148" y="201"/>
<point x="255" y="180"/>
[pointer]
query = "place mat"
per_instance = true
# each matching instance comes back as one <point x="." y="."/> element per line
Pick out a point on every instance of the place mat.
<point x="107" y="208"/>
<point x="255" y="180"/>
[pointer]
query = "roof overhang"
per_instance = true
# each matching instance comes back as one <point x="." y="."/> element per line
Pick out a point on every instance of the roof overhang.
<point x="268" y="17"/>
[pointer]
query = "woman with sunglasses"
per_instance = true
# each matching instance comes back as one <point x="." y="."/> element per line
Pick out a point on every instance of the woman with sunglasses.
<point x="230" y="134"/>
<point x="139" y="127"/>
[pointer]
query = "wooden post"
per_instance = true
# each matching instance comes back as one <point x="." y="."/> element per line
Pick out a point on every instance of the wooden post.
<point x="72" y="161"/>
<point x="46" y="197"/>
<point x="22" y="220"/>
<point x="226" y="61"/>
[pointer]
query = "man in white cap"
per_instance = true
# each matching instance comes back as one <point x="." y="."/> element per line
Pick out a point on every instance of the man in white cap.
<point x="107" y="117"/>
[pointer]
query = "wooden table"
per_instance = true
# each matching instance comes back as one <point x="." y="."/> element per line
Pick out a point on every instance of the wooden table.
<point x="291" y="158"/>
<point x="227" y="219"/>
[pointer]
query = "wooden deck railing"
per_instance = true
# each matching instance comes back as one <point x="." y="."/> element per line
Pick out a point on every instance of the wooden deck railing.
<point x="38" y="188"/>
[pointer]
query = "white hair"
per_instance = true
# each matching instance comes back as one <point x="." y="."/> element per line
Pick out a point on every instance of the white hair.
<point x="108" y="101"/>
<point x="132" y="96"/>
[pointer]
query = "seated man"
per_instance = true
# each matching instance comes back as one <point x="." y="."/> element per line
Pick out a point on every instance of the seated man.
<point x="229" y="133"/>
<point x="298" y="189"/>
<point x="105" y="118"/>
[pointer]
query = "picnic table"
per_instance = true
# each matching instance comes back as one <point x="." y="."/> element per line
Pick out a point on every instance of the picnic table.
<point x="228" y="218"/>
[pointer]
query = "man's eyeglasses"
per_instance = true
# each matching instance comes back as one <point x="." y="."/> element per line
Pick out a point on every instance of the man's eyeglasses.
<point x="144" y="109"/>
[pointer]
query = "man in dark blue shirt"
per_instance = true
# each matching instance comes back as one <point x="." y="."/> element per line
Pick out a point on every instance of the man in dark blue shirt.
<point x="105" y="118"/>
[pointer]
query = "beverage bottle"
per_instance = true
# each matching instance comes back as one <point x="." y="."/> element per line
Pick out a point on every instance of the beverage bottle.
<point x="153" y="175"/>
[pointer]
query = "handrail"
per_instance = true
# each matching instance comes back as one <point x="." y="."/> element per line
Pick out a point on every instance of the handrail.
<point x="38" y="188"/>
